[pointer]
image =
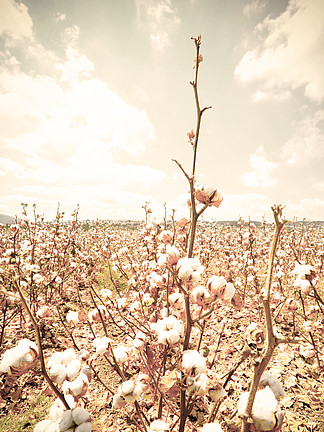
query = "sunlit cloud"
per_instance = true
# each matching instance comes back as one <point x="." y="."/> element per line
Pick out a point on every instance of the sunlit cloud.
<point x="160" y="17"/>
<point x="290" y="54"/>
<point x="262" y="170"/>
<point x="253" y="8"/>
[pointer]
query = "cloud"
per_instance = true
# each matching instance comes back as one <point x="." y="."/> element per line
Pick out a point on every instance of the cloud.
<point x="262" y="169"/>
<point x="160" y="18"/>
<point x="253" y="8"/>
<point x="63" y="130"/>
<point x="15" y="22"/>
<point x="307" y="140"/>
<point x="290" y="52"/>
<point x="59" y="17"/>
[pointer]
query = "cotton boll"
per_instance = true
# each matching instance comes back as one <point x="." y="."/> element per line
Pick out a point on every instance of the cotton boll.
<point x="84" y="427"/>
<point x="73" y="317"/>
<point x="118" y="401"/>
<point x="121" y="354"/>
<point x="67" y="356"/>
<point x="66" y="421"/>
<point x="229" y="292"/>
<point x="173" y="336"/>
<point x="163" y="337"/>
<point x="101" y="344"/>
<point x="73" y="368"/>
<point x="158" y="426"/>
<point x="58" y="373"/>
<point x="185" y="273"/>
<point x="192" y="361"/>
<point x="266" y="412"/>
<point x="268" y="379"/>
<point x="55" y="412"/>
<point x="80" y="415"/>
<point x="53" y="427"/>
<point x="307" y="350"/>
<point x="126" y="388"/>
<point x="43" y="425"/>
<point x="55" y="358"/>
<point x="212" y="427"/>
<point x="69" y="400"/>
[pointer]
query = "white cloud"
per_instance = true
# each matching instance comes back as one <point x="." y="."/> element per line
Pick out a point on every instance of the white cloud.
<point x="262" y="169"/>
<point x="304" y="208"/>
<point x="307" y="141"/>
<point x="160" y="18"/>
<point x="63" y="130"/>
<point x="253" y="8"/>
<point x="59" y="16"/>
<point x="15" y="22"/>
<point x="290" y="55"/>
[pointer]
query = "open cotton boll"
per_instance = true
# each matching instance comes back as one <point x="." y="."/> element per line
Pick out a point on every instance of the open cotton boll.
<point x="66" y="421"/>
<point x="126" y="388"/>
<point x="158" y="426"/>
<point x="101" y="344"/>
<point x="72" y="316"/>
<point x="69" y="399"/>
<point x="43" y="425"/>
<point x="268" y="379"/>
<point x="80" y="415"/>
<point x="194" y="362"/>
<point x="266" y="412"/>
<point x="118" y="401"/>
<point x="10" y="358"/>
<point x="229" y="292"/>
<point x="55" y="358"/>
<point x="53" y="427"/>
<point x="121" y="354"/>
<point x="173" y="336"/>
<point x="78" y="385"/>
<point x="73" y="368"/>
<point x="55" y="412"/>
<point x="67" y="356"/>
<point x="84" y="427"/>
<point x="58" y="373"/>
<point x="212" y="427"/>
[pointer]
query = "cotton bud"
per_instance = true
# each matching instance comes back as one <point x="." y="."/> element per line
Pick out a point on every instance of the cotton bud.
<point x="266" y="412"/>
<point x="159" y="426"/>
<point x="193" y="362"/>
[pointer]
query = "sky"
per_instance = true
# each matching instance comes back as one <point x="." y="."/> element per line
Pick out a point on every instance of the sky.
<point x="96" y="102"/>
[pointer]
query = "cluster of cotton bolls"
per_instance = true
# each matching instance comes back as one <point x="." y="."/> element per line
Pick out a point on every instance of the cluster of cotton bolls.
<point x="22" y="355"/>
<point x="66" y="367"/>
<point x="266" y="412"/>
<point x="75" y="420"/>
<point x="305" y="273"/>
<point x="168" y="329"/>
<point x="189" y="269"/>
<point x="129" y="391"/>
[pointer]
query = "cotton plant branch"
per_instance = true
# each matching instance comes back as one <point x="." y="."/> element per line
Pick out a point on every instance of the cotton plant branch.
<point x="272" y="341"/>
<point x="40" y="348"/>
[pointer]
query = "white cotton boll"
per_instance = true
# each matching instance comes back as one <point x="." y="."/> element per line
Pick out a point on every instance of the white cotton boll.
<point x="179" y="327"/>
<point x="212" y="427"/>
<point x="83" y="354"/>
<point x="229" y="292"/>
<point x="138" y="390"/>
<point x="129" y="398"/>
<point x="55" y="412"/>
<point x="163" y="337"/>
<point x="173" y="336"/>
<point x="43" y="425"/>
<point x="192" y="360"/>
<point x="268" y="379"/>
<point x="72" y="316"/>
<point x="201" y="295"/>
<point x="53" y="427"/>
<point x="58" y="373"/>
<point x="69" y="399"/>
<point x="73" y="368"/>
<point x="169" y="322"/>
<point x="26" y="343"/>
<point x="77" y="385"/>
<point x="118" y="401"/>
<point x="101" y="344"/>
<point x="80" y="415"/>
<point x="126" y="388"/>
<point x="84" y="427"/>
<point x="105" y="293"/>
<point x="67" y="356"/>
<point x="185" y="273"/>
<point x="66" y="421"/>
<point x="265" y="409"/>
<point x="307" y="350"/>
<point x="121" y="354"/>
<point x="158" y="426"/>
<point x="55" y="358"/>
